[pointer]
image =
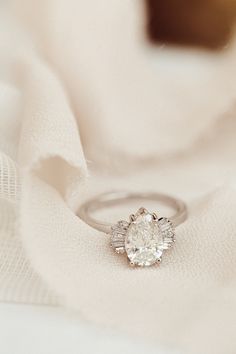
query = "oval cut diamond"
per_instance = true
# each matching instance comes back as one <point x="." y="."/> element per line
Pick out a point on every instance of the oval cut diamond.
<point x="143" y="241"/>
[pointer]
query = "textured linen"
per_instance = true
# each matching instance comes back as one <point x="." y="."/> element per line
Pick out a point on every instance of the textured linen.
<point x="86" y="106"/>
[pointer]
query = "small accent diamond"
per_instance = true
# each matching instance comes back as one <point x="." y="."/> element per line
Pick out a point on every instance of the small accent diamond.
<point x="118" y="232"/>
<point x="168" y="233"/>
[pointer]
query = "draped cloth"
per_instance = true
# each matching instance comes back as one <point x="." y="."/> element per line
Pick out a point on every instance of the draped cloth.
<point x="87" y="106"/>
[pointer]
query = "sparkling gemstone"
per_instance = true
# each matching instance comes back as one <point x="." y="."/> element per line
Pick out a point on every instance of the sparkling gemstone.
<point x="144" y="241"/>
<point x="118" y="232"/>
<point x="168" y="233"/>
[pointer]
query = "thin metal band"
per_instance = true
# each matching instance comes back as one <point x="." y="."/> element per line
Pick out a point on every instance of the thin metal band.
<point x="113" y="198"/>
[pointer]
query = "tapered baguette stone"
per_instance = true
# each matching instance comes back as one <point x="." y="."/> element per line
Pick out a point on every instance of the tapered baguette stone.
<point x="144" y="242"/>
<point x="118" y="232"/>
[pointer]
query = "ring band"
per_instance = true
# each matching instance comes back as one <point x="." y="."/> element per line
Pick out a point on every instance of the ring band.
<point x="146" y="235"/>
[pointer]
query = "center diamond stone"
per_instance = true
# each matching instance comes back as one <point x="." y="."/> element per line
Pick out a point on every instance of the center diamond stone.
<point x="143" y="242"/>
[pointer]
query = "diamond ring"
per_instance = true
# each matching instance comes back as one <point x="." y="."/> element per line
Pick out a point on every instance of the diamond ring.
<point x="145" y="236"/>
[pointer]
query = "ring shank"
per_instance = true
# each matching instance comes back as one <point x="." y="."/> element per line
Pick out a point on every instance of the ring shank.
<point x="113" y="198"/>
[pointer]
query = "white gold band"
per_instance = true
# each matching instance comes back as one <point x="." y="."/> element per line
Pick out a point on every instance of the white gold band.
<point x="114" y="198"/>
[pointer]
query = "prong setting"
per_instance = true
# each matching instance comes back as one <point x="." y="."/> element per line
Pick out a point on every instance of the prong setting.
<point x="142" y="211"/>
<point x="132" y="218"/>
<point x="154" y="216"/>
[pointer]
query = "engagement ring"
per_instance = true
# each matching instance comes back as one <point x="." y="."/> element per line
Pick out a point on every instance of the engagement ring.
<point x="145" y="236"/>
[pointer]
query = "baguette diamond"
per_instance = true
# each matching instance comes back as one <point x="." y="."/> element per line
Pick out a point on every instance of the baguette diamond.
<point x="118" y="233"/>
